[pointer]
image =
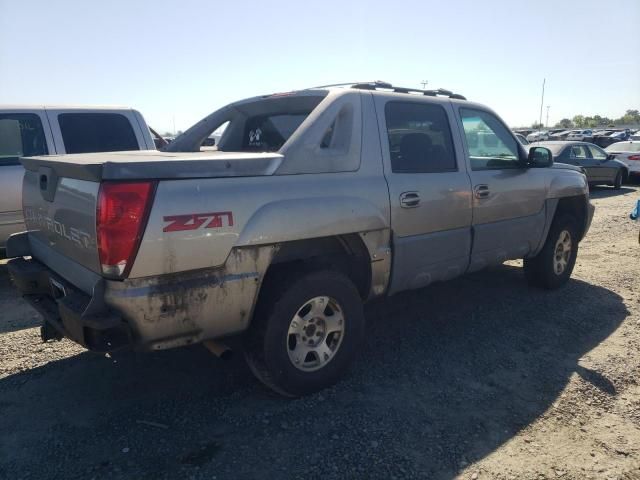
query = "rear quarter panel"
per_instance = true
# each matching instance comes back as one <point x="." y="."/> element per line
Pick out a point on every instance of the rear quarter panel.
<point x="254" y="211"/>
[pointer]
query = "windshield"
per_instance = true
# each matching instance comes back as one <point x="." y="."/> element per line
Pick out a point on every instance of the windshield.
<point x="623" y="147"/>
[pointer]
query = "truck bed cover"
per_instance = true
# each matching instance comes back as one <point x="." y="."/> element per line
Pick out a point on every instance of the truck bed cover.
<point x="152" y="164"/>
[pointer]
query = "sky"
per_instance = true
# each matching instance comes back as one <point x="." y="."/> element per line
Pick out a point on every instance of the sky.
<point x="177" y="61"/>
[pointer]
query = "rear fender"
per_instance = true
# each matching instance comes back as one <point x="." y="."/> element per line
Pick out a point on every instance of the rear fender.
<point x="300" y="219"/>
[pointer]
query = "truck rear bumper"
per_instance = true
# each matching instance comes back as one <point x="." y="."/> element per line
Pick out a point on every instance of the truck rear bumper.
<point x="67" y="309"/>
<point x="146" y="313"/>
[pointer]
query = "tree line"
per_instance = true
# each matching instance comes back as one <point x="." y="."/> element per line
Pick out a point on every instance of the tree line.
<point x="631" y="117"/>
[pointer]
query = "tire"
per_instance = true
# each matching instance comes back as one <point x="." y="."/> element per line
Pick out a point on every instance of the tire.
<point x="548" y="269"/>
<point x="305" y="306"/>
<point x="617" y="183"/>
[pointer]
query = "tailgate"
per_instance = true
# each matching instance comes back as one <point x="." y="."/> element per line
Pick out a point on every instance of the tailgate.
<point x="60" y="213"/>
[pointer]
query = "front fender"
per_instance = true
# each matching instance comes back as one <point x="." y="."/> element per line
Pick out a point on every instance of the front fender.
<point x="567" y="183"/>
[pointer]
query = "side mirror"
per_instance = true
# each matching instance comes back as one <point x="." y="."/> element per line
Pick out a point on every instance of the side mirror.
<point x="610" y="156"/>
<point x="539" y="157"/>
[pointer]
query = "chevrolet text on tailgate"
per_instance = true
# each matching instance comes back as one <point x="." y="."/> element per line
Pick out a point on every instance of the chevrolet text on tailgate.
<point x="312" y="203"/>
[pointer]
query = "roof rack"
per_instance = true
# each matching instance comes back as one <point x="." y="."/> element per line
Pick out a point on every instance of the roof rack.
<point x="387" y="86"/>
<point x="380" y="85"/>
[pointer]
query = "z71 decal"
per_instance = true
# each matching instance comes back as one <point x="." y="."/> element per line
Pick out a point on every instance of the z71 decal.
<point x="194" y="221"/>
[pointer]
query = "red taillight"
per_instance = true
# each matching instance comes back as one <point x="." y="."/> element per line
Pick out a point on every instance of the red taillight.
<point x="633" y="157"/>
<point x="121" y="216"/>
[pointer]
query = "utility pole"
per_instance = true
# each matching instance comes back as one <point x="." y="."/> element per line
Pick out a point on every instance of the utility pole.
<point x="424" y="84"/>
<point x="544" y="80"/>
<point x="548" y="107"/>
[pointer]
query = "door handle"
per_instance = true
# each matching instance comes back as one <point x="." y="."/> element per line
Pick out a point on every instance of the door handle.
<point x="409" y="199"/>
<point x="482" y="191"/>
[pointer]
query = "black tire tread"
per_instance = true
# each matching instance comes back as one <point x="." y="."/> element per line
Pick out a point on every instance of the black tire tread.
<point x="538" y="270"/>
<point x="617" y="182"/>
<point x="272" y="296"/>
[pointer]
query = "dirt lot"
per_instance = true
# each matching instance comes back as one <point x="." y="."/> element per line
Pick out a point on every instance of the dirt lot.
<point x="476" y="378"/>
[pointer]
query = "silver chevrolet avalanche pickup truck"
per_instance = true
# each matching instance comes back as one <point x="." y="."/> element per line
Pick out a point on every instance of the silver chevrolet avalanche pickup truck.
<point x="312" y="203"/>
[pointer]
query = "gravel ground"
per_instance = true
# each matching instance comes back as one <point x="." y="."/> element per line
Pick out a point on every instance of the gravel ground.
<point x="480" y="377"/>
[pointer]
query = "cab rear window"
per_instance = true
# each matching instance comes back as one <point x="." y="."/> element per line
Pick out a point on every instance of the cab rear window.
<point x="96" y="132"/>
<point x="268" y="133"/>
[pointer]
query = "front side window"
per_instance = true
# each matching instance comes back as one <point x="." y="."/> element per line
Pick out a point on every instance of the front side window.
<point x="491" y="146"/>
<point x="597" y="153"/>
<point x="419" y="138"/>
<point x="21" y="135"/>
<point x="96" y="132"/>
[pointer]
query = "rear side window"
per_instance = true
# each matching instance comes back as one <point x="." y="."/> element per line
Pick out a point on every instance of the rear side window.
<point x="419" y="138"/>
<point x="21" y="135"/>
<point x="96" y="132"/>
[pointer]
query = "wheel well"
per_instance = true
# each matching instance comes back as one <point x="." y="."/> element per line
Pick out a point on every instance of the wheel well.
<point x="575" y="207"/>
<point x="345" y="253"/>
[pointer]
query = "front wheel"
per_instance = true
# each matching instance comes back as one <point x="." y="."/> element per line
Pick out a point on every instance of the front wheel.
<point x="306" y="331"/>
<point x="553" y="265"/>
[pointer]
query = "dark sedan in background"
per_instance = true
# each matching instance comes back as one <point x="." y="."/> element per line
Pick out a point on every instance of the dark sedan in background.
<point x="601" y="167"/>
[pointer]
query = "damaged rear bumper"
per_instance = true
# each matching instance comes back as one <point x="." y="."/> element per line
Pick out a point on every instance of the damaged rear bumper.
<point x="146" y="313"/>
<point x="70" y="311"/>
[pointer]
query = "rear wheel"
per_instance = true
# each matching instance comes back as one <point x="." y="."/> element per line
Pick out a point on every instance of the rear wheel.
<point x="306" y="331"/>
<point x="617" y="183"/>
<point x="552" y="267"/>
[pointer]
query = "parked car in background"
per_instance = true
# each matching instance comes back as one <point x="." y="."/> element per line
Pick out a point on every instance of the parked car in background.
<point x="604" y="138"/>
<point x="283" y="232"/>
<point x="601" y="168"/>
<point x="580" y="135"/>
<point x="538" y="136"/>
<point x="635" y="135"/>
<point x="553" y="131"/>
<point x="39" y="130"/>
<point x="559" y="135"/>
<point x="522" y="139"/>
<point x="523" y="131"/>
<point x="628" y="153"/>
